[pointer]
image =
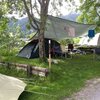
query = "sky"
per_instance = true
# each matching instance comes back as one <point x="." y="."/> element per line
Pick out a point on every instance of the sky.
<point x="66" y="9"/>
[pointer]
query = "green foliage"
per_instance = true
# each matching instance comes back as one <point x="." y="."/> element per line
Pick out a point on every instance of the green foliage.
<point x="66" y="41"/>
<point x="3" y="7"/>
<point x="69" y="41"/>
<point x="12" y="72"/>
<point x="66" y="77"/>
<point x="29" y="36"/>
<point x="3" y="24"/>
<point x="10" y="37"/>
<point x="89" y="13"/>
<point x="3" y="19"/>
<point x="28" y="26"/>
<point x="7" y="37"/>
<point x="15" y="5"/>
<point x="63" y="42"/>
<point x="76" y="40"/>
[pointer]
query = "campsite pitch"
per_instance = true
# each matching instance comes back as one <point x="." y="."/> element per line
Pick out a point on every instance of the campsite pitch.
<point x="66" y="78"/>
<point x="90" y="92"/>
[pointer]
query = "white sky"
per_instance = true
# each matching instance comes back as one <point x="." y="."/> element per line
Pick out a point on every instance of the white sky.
<point x="66" y="9"/>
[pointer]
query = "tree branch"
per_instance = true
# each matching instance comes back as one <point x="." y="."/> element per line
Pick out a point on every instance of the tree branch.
<point x="40" y="2"/>
<point x="31" y="17"/>
<point x="31" y="6"/>
<point x="36" y="7"/>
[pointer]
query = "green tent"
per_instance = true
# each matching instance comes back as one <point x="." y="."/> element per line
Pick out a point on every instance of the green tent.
<point x="58" y="28"/>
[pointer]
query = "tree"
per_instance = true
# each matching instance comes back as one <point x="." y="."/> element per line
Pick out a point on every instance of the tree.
<point x="36" y="7"/>
<point x="9" y="36"/>
<point x="40" y="28"/>
<point x="3" y="22"/>
<point x="32" y="7"/>
<point x="89" y="13"/>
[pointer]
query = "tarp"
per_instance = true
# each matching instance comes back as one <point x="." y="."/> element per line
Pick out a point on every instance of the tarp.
<point x="84" y="40"/>
<point x="95" y="41"/>
<point x="10" y="88"/>
<point x="58" y="28"/>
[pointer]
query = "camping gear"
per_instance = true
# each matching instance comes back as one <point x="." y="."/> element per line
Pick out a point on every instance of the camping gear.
<point x="70" y="47"/>
<point x="58" y="28"/>
<point x="31" y="50"/>
<point x="95" y="41"/>
<point x="10" y="87"/>
<point x="91" y="33"/>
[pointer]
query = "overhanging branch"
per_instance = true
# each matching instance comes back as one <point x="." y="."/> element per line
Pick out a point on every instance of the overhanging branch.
<point x="31" y="16"/>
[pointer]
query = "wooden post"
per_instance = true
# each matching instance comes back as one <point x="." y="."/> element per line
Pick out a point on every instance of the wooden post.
<point x="29" y="71"/>
<point x="49" y="54"/>
<point x="8" y="65"/>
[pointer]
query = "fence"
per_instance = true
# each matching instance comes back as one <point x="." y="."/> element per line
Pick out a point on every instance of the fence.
<point x="28" y="68"/>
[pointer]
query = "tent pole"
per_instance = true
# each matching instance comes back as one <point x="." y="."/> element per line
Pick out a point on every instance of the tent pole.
<point x="49" y="55"/>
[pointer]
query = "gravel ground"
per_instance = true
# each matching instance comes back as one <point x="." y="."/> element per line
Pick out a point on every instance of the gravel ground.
<point x="90" y="92"/>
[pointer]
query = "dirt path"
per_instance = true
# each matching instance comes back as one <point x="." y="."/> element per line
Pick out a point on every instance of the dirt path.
<point x="90" y="92"/>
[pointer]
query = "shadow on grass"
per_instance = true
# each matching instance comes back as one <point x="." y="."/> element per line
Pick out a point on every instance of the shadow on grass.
<point x="27" y="96"/>
<point x="32" y="96"/>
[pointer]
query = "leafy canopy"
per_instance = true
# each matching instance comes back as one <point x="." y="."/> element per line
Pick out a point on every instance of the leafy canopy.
<point x="89" y="13"/>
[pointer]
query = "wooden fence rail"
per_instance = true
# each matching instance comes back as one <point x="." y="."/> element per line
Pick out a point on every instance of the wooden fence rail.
<point x="30" y="69"/>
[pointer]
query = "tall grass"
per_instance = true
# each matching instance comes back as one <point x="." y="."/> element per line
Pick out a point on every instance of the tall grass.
<point x="66" y="77"/>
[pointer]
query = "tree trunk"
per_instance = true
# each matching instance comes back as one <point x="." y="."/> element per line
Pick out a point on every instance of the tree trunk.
<point x="43" y="18"/>
<point x="41" y="44"/>
<point x="41" y="28"/>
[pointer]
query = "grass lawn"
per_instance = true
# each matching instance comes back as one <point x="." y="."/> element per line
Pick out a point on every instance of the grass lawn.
<point x="66" y="77"/>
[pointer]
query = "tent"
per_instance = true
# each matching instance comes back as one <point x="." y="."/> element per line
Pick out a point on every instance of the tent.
<point x="58" y="28"/>
<point x="84" y="40"/>
<point x="95" y="41"/>
<point x="31" y="50"/>
<point x="10" y="87"/>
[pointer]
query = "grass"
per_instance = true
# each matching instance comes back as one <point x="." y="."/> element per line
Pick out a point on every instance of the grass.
<point x="15" y="59"/>
<point x="66" y="77"/>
